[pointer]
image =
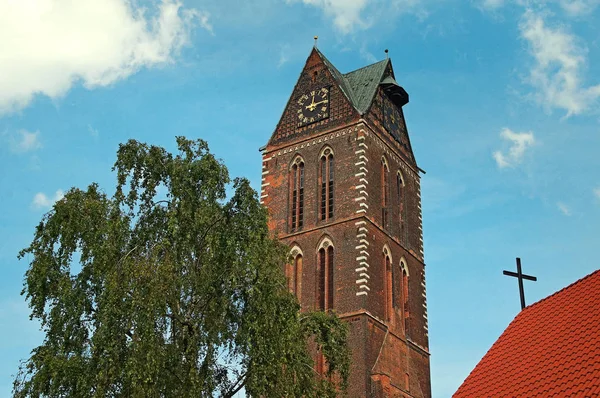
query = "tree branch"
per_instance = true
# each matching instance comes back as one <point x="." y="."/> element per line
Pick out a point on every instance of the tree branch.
<point x="237" y="386"/>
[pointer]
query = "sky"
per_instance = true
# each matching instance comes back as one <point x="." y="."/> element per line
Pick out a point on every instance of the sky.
<point x="503" y="117"/>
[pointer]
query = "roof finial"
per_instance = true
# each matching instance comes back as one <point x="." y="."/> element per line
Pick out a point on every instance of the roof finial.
<point x="386" y="53"/>
<point x="316" y="38"/>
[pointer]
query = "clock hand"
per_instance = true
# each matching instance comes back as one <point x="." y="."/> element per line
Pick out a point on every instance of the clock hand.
<point x="311" y="107"/>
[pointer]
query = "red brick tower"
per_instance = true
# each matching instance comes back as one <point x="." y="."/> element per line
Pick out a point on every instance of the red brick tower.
<point x="343" y="191"/>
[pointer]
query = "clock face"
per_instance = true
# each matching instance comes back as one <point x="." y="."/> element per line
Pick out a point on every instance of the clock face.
<point x="313" y="106"/>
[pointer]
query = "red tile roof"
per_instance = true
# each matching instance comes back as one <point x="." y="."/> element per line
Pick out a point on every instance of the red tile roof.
<point x="551" y="349"/>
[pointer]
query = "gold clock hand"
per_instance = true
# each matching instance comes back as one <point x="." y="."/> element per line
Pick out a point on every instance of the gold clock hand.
<point x="311" y="107"/>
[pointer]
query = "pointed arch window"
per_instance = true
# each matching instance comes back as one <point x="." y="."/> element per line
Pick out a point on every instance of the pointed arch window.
<point x="403" y="292"/>
<point x="294" y="272"/>
<point x="326" y="176"/>
<point x="297" y="193"/>
<point x="401" y="205"/>
<point x="388" y="287"/>
<point x="385" y="192"/>
<point x="325" y="285"/>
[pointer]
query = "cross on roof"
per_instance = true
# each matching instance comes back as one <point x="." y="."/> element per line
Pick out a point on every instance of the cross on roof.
<point x="520" y="275"/>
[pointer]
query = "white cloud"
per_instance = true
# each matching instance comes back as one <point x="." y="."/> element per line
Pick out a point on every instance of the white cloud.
<point x="564" y="209"/>
<point x="352" y="15"/>
<point x="284" y="55"/>
<point x="49" y="45"/>
<point x="41" y="201"/>
<point x="346" y="14"/>
<point x="578" y="7"/>
<point x="492" y="4"/>
<point x="93" y="132"/>
<point x="24" y="141"/>
<point x="597" y="192"/>
<point x="558" y="70"/>
<point x="519" y="142"/>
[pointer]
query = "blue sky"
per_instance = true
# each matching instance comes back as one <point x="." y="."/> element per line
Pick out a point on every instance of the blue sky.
<point x="503" y="116"/>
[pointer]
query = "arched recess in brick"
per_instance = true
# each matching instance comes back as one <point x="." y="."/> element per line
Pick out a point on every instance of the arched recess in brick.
<point x="385" y="191"/>
<point x="296" y="181"/>
<point x="294" y="270"/>
<point x="326" y="183"/>
<point x="403" y="290"/>
<point x="387" y="282"/>
<point x="325" y="274"/>
<point x="400" y="188"/>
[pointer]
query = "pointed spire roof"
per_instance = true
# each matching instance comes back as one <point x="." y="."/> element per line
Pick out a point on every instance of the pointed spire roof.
<point x="364" y="83"/>
<point x="360" y="85"/>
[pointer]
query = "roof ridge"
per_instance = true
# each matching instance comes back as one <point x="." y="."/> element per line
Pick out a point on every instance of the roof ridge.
<point x="559" y="291"/>
<point x="366" y="66"/>
<point x="337" y="76"/>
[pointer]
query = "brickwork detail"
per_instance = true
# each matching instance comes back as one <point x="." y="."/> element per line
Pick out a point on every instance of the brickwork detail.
<point x="362" y="259"/>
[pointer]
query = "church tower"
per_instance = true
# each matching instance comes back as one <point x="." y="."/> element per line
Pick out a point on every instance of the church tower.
<point x="342" y="188"/>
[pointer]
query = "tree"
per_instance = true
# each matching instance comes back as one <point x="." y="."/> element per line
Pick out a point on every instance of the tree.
<point x="180" y="294"/>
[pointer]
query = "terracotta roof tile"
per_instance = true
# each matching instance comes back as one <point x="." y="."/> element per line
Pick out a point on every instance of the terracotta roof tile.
<point x="551" y="349"/>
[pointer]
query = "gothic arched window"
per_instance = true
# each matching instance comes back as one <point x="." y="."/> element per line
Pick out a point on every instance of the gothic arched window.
<point x="388" y="287"/>
<point x="403" y="292"/>
<point x="325" y="284"/>
<point x="297" y="193"/>
<point x="401" y="204"/>
<point x="294" y="272"/>
<point x="326" y="174"/>
<point x="385" y="192"/>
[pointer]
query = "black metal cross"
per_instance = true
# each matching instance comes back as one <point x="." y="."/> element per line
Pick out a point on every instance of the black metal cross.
<point x="520" y="275"/>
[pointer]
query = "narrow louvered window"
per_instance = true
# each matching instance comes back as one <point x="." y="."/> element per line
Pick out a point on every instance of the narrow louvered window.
<point x="297" y="194"/>
<point x="404" y="309"/>
<point x="395" y="287"/>
<point x="325" y="284"/>
<point x="323" y="189"/>
<point x="329" y="276"/>
<point x="326" y="185"/>
<point x="388" y="288"/>
<point x="294" y="183"/>
<point x="321" y="280"/>
<point x="331" y="186"/>
<point x="301" y="198"/>
<point x="385" y="193"/>
<point x="297" y="288"/>
<point x="401" y="206"/>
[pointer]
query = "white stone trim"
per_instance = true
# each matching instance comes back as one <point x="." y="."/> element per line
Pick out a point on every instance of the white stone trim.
<point x="324" y="243"/>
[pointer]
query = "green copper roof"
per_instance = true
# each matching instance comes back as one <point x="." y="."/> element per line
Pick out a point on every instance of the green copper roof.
<point x="364" y="82"/>
<point x="360" y="85"/>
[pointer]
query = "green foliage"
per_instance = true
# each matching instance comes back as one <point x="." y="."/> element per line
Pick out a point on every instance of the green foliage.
<point x="180" y="293"/>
